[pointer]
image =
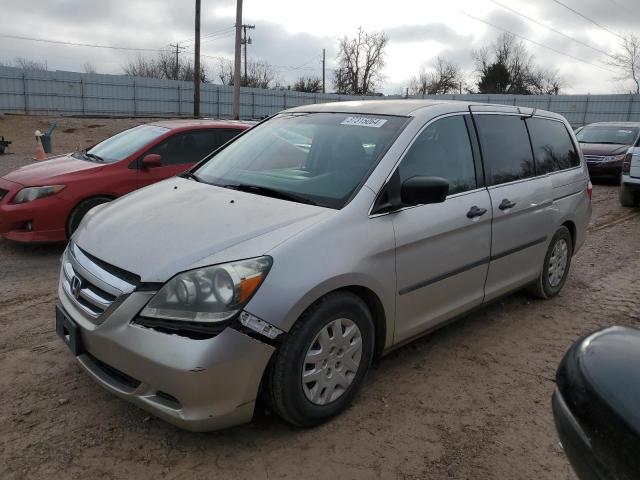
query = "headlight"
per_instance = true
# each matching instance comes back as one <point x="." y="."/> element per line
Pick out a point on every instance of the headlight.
<point x="30" y="194"/>
<point x="208" y="295"/>
<point x="614" y="158"/>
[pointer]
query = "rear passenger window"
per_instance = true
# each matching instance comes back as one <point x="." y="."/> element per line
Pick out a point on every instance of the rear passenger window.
<point x="552" y="146"/>
<point x="442" y="150"/>
<point x="505" y="148"/>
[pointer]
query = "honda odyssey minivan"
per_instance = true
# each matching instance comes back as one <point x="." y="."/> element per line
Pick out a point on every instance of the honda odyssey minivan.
<point x="282" y="264"/>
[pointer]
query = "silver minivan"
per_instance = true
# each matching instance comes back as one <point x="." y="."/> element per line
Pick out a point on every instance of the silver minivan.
<point x="325" y="236"/>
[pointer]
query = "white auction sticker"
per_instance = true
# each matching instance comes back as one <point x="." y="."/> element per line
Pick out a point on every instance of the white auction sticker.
<point x="364" y="122"/>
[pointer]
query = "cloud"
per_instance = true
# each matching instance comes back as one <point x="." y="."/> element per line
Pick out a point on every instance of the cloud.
<point x="430" y="31"/>
<point x="295" y="45"/>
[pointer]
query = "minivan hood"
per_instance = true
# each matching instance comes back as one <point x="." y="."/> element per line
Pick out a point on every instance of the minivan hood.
<point x="179" y="224"/>
<point x="46" y="171"/>
<point x="603" y="149"/>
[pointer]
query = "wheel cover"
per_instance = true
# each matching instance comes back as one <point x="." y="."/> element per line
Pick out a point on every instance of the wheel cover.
<point x="558" y="262"/>
<point x="332" y="361"/>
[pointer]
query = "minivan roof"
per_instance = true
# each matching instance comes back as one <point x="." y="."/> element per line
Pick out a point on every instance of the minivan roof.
<point x="408" y="107"/>
<point x="382" y="107"/>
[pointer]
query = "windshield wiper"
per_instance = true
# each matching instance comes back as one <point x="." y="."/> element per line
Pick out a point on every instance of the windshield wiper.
<point x="269" y="192"/>
<point x="192" y="176"/>
<point x="97" y="158"/>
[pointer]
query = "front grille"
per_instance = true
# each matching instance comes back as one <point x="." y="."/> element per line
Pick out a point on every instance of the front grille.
<point x="3" y="193"/>
<point x="91" y="288"/>
<point x="594" y="158"/>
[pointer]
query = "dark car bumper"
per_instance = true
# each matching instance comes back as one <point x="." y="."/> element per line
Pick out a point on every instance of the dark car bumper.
<point x="611" y="170"/>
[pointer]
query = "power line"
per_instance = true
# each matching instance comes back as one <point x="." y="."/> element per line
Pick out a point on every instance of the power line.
<point x="79" y="44"/>
<point x="288" y="68"/>
<point x="221" y="37"/>
<point x="552" y="29"/>
<point x="537" y="43"/>
<point x="588" y="19"/>
<point x="222" y="32"/>
<point x="279" y="68"/>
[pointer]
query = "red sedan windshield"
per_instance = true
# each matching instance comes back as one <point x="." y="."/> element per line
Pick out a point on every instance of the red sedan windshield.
<point x="125" y="143"/>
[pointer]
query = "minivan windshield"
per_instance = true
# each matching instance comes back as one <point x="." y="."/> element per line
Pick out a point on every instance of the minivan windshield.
<point x="122" y="145"/>
<point x="608" y="135"/>
<point x="317" y="158"/>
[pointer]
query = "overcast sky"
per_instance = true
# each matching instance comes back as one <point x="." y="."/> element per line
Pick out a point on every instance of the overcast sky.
<point x="291" y="34"/>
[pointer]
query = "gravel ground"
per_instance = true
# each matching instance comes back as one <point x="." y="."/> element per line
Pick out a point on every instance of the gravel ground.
<point x="471" y="401"/>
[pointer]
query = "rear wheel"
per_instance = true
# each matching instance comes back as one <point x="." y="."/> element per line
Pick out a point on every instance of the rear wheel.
<point x="322" y="363"/>
<point x="556" y="266"/>
<point x="81" y="210"/>
<point x="628" y="198"/>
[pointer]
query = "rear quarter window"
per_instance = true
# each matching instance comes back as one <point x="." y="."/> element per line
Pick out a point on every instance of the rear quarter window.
<point x="505" y="148"/>
<point x="553" y="148"/>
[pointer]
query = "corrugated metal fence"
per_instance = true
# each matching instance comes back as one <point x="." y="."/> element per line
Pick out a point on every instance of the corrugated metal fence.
<point x="46" y="92"/>
<point x="578" y="109"/>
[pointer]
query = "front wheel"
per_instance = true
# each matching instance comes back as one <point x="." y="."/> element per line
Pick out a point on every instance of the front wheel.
<point x="556" y="265"/>
<point x="81" y="210"/>
<point x="323" y="361"/>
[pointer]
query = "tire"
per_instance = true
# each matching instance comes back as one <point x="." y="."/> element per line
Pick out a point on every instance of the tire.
<point x="81" y="210"/>
<point x="288" y="394"/>
<point x="547" y="285"/>
<point x="628" y="197"/>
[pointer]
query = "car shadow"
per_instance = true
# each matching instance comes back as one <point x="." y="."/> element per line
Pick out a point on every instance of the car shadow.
<point x="18" y="249"/>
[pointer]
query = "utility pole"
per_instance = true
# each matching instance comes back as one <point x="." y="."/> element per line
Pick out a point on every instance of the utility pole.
<point x="196" y="68"/>
<point x="236" y="67"/>
<point x="246" y="41"/>
<point x="323" y="69"/>
<point x="176" y="67"/>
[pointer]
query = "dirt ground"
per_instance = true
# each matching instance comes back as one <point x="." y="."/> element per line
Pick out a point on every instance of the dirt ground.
<point x="471" y="401"/>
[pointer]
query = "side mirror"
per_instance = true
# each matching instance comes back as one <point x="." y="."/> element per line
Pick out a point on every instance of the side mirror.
<point x="423" y="190"/>
<point x="595" y="405"/>
<point x="151" y="160"/>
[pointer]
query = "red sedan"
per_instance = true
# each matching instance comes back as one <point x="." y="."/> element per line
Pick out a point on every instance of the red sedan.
<point x="45" y="202"/>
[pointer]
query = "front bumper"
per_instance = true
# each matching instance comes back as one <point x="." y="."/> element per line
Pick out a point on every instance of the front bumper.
<point x="630" y="182"/>
<point x="43" y="220"/>
<point x="198" y="385"/>
<point x="575" y="442"/>
<point x="605" y="169"/>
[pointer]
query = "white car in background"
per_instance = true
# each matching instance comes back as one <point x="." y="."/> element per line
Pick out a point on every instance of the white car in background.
<point x="630" y="180"/>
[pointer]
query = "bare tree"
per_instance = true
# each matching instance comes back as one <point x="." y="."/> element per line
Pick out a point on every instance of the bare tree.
<point x="545" y="82"/>
<point x="89" y="67"/>
<point x="627" y="61"/>
<point x="507" y="67"/>
<point x="308" y="84"/>
<point x="163" y="66"/>
<point x="22" y="62"/>
<point x="260" y="74"/>
<point x="443" y="77"/>
<point x="360" y="63"/>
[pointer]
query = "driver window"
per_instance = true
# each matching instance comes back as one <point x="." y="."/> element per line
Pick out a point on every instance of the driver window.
<point x="187" y="147"/>
<point x="442" y="150"/>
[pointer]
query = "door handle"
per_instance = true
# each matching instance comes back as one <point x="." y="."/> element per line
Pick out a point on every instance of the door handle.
<point x="475" y="211"/>
<point x="506" y="204"/>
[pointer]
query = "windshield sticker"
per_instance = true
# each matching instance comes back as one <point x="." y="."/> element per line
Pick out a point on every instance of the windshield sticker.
<point x="364" y="122"/>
